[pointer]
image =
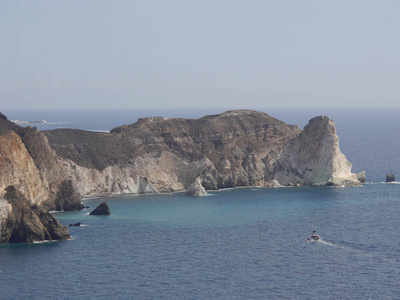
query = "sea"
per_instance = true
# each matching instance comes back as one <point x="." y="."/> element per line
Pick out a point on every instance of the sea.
<point x="245" y="243"/>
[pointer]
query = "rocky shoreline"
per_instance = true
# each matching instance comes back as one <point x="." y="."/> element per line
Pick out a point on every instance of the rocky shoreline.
<point x="55" y="169"/>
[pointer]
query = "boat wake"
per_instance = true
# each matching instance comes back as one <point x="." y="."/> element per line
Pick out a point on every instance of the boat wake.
<point x="326" y="243"/>
<point x="331" y="244"/>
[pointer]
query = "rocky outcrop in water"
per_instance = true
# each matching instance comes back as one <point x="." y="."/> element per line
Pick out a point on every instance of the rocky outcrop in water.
<point x="102" y="210"/>
<point x="390" y="177"/>
<point x="27" y="222"/>
<point x="361" y="177"/>
<point x="75" y="224"/>
<point x="196" y="189"/>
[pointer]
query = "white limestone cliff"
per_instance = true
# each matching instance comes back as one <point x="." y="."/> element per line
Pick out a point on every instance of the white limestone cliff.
<point x="196" y="189"/>
<point x="314" y="158"/>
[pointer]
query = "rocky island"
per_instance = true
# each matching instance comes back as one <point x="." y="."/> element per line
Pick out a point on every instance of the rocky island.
<point x="54" y="169"/>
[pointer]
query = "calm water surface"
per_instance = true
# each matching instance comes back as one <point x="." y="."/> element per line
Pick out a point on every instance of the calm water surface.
<point x="233" y="244"/>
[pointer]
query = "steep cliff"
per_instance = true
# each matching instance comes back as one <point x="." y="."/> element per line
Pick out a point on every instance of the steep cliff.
<point x="227" y="150"/>
<point x="236" y="148"/>
<point x="29" y="163"/>
<point x="27" y="222"/>
<point x="314" y="158"/>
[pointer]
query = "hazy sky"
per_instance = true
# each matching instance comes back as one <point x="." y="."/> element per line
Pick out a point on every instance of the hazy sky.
<point x="222" y="54"/>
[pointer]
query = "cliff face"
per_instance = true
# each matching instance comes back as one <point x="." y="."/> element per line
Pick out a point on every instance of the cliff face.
<point x="167" y="155"/>
<point x="314" y="158"/>
<point x="157" y="155"/>
<point x="29" y="163"/>
<point x="27" y="222"/>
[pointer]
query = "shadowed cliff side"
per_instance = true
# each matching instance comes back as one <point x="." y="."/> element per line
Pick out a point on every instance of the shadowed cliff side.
<point x="27" y="222"/>
<point x="29" y="163"/>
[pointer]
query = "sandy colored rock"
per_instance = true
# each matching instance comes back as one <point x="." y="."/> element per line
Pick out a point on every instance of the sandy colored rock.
<point x="196" y="189"/>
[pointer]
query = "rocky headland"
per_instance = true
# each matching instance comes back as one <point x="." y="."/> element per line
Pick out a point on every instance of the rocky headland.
<point x="55" y="169"/>
<point x="28" y="222"/>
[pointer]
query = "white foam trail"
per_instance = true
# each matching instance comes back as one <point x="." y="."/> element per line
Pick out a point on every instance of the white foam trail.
<point x="333" y="245"/>
<point x="42" y="242"/>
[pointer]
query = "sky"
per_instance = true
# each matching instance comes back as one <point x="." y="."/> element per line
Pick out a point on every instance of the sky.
<point x="197" y="54"/>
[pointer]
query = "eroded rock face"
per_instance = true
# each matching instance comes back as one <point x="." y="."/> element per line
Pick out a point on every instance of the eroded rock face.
<point x="314" y="158"/>
<point x="227" y="150"/>
<point x="196" y="189"/>
<point x="27" y="222"/>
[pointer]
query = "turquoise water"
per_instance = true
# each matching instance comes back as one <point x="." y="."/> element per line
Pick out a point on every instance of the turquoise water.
<point x="233" y="244"/>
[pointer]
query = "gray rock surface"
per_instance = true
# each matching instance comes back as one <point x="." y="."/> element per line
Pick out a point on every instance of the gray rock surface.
<point x="390" y="177"/>
<point x="101" y="210"/>
<point x="75" y="224"/>
<point x="361" y="176"/>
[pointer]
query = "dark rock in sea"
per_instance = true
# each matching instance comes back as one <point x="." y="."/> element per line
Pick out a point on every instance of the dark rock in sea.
<point x="76" y="224"/>
<point x="101" y="210"/>
<point x="390" y="177"/>
<point x="361" y="176"/>
<point x="28" y="223"/>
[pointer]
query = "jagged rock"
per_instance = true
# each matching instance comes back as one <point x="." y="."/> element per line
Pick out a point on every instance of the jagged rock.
<point x="314" y="158"/>
<point x="75" y="224"/>
<point x="102" y="209"/>
<point x="29" y="163"/>
<point x="27" y="222"/>
<point x="67" y="198"/>
<point x="361" y="176"/>
<point x="390" y="177"/>
<point x="196" y="189"/>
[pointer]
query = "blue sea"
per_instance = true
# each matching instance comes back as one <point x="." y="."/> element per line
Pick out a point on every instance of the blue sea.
<point x="233" y="244"/>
